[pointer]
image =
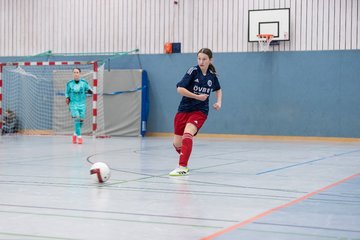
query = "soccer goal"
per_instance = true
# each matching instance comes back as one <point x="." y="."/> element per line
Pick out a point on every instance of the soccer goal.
<point x="35" y="93"/>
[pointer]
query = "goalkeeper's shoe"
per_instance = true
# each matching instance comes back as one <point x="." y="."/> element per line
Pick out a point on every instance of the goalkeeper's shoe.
<point x="79" y="140"/>
<point x="180" y="171"/>
<point x="74" y="139"/>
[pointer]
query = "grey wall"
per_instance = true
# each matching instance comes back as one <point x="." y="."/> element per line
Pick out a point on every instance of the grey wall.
<point x="275" y="93"/>
<point x="313" y="93"/>
<point x="30" y="27"/>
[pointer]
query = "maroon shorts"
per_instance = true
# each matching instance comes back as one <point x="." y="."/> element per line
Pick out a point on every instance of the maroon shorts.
<point x="181" y="119"/>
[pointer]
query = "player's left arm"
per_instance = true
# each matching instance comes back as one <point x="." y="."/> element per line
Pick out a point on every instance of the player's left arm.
<point x="89" y="90"/>
<point x="218" y="96"/>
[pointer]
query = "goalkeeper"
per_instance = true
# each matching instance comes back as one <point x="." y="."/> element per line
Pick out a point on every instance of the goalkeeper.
<point x="76" y="90"/>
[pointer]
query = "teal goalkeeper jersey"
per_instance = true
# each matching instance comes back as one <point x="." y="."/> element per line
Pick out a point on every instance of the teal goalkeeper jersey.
<point x="76" y="91"/>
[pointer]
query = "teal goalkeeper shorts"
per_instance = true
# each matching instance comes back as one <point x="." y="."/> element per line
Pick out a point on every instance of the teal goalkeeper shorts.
<point x="78" y="112"/>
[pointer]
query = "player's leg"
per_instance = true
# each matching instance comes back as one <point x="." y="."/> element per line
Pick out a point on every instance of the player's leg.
<point x="185" y="151"/>
<point x="80" y="140"/>
<point x="81" y="123"/>
<point x="76" y="118"/>
<point x="195" y="121"/>
<point x="82" y="111"/>
<point x="187" y="143"/>
<point x="77" y="126"/>
<point x="179" y="126"/>
<point x="193" y="125"/>
<point x="177" y="143"/>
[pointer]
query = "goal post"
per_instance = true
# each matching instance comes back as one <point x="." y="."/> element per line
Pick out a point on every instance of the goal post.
<point x="35" y="93"/>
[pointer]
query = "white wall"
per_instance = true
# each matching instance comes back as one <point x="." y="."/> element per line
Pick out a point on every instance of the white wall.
<point x="29" y="27"/>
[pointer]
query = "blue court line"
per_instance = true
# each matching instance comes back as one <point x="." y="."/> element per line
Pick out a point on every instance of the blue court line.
<point x="307" y="162"/>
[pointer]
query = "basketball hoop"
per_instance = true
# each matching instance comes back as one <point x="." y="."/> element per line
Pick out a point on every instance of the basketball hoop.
<point x="264" y="41"/>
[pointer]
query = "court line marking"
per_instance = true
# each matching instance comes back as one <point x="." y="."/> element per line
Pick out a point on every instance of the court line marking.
<point x="34" y="236"/>
<point x="164" y="191"/>
<point x="263" y="214"/>
<point x="308" y="227"/>
<point x="150" y="176"/>
<point x="291" y="235"/>
<point x="94" y="218"/>
<point x="259" y="137"/>
<point x="79" y="210"/>
<point x="307" y="162"/>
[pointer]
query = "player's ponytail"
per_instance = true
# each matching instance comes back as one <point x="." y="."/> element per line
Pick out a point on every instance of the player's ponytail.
<point x="208" y="52"/>
<point x="212" y="68"/>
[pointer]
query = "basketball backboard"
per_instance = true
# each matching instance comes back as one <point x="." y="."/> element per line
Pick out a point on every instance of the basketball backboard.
<point x="269" y="21"/>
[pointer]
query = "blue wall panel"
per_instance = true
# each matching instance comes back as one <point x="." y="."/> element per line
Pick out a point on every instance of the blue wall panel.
<point x="272" y="93"/>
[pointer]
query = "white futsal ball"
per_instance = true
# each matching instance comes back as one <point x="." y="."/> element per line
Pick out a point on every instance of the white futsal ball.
<point x="100" y="172"/>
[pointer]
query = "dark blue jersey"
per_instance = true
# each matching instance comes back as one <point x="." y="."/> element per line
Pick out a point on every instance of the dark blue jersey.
<point x="195" y="82"/>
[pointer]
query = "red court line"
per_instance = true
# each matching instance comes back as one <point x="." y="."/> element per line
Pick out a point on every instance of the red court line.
<point x="263" y="214"/>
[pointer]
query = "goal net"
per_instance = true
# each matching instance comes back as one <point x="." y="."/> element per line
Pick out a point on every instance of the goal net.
<point x="35" y="93"/>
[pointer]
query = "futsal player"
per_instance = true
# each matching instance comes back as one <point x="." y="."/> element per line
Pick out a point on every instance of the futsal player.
<point x="76" y="90"/>
<point x="195" y="87"/>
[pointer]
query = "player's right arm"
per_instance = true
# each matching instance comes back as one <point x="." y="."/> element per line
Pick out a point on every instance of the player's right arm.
<point x="186" y="93"/>
<point x="185" y="82"/>
<point x="67" y="94"/>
